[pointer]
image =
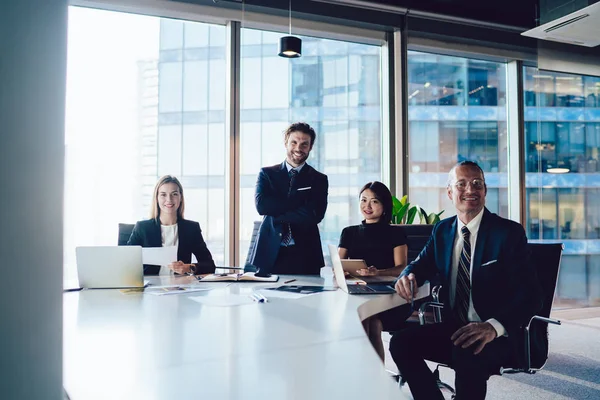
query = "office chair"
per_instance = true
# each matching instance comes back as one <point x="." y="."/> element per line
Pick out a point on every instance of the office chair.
<point x="533" y="354"/>
<point x="417" y="237"/>
<point x="248" y="267"/>
<point x="124" y="233"/>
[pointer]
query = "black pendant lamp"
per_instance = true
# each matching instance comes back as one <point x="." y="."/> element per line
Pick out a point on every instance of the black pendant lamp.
<point x="290" y="46"/>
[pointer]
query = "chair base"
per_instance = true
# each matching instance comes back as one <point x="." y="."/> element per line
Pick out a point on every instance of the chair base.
<point x="440" y="384"/>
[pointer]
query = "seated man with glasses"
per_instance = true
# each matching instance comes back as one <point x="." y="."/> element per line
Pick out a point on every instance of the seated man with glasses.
<point x="490" y="289"/>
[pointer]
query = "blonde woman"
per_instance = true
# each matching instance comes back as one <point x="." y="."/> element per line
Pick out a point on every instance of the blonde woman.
<point x="167" y="227"/>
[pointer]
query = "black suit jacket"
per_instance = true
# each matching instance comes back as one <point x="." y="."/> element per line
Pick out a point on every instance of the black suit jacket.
<point x="303" y="209"/>
<point x="506" y="288"/>
<point x="147" y="234"/>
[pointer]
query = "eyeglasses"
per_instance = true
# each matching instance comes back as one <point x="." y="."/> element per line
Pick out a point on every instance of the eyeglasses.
<point x="476" y="184"/>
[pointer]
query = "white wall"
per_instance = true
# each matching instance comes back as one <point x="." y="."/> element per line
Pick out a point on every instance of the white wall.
<point x="32" y="105"/>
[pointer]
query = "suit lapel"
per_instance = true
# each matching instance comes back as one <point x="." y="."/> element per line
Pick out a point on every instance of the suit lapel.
<point x="482" y="237"/>
<point x="154" y="236"/>
<point x="304" y="176"/>
<point x="283" y="178"/>
<point x="448" y="248"/>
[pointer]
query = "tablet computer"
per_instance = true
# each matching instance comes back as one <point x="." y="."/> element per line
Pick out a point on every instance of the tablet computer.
<point x="353" y="265"/>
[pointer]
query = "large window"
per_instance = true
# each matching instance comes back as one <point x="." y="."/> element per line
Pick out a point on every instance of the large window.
<point x="456" y="112"/>
<point x="335" y="87"/>
<point x="140" y="104"/>
<point x="148" y="98"/>
<point x="562" y="141"/>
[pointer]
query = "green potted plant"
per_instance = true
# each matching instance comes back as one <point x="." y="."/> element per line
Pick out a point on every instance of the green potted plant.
<point x="404" y="214"/>
<point x="417" y="233"/>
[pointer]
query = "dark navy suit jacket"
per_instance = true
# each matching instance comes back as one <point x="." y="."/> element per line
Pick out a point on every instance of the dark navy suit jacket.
<point x="147" y="234"/>
<point x="303" y="210"/>
<point x="506" y="289"/>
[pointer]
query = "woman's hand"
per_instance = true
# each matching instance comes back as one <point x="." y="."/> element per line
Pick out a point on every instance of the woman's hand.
<point x="180" y="268"/>
<point x="371" y="271"/>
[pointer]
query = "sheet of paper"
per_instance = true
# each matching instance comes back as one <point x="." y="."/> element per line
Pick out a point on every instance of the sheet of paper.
<point x="159" y="255"/>
<point x="227" y="300"/>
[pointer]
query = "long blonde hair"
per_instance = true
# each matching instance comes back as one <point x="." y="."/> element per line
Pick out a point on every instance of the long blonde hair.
<point x="155" y="210"/>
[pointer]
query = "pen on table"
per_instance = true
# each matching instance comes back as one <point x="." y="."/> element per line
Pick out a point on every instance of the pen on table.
<point x="262" y="297"/>
<point x="290" y="281"/>
<point x="256" y="297"/>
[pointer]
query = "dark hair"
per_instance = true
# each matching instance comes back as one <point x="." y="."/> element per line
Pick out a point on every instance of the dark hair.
<point x="383" y="194"/>
<point x="302" y="127"/>
<point x="466" y="163"/>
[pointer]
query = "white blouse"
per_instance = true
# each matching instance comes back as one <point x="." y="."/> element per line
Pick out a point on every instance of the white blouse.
<point x="169" y="237"/>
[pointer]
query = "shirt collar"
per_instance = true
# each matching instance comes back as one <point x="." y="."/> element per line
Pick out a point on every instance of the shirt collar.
<point x="298" y="168"/>
<point x="473" y="225"/>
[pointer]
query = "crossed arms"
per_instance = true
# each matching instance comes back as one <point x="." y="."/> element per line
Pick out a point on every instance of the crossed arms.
<point x="302" y="207"/>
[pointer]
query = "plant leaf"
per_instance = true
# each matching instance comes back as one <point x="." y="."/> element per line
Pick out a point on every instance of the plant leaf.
<point x="396" y="205"/>
<point x="411" y="215"/>
<point x="402" y="213"/>
<point x="433" y="219"/>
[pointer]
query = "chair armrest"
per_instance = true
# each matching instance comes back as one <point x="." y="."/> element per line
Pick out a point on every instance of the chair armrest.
<point x="435" y="294"/>
<point x="434" y="304"/>
<point x="543" y="319"/>
<point x="527" y="338"/>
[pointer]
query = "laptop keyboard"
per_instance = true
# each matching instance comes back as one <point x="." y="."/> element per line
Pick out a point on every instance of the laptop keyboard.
<point x="360" y="289"/>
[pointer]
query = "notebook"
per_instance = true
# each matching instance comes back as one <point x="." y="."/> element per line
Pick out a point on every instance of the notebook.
<point x="245" y="277"/>
<point x="360" y="287"/>
<point x="108" y="267"/>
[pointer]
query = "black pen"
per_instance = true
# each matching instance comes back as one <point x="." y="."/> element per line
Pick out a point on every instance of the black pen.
<point x="290" y="281"/>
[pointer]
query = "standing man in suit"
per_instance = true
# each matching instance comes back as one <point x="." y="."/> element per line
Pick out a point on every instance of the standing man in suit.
<point x="490" y="289"/>
<point x="292" y="197"/>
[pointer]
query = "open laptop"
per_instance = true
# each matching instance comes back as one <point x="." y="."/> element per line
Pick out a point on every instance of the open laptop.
<point x="108" y="267"/>
<point x="369" y="288"/>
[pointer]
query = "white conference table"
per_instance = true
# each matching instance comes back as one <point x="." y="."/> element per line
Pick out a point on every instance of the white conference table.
<point x="141" y="346"/>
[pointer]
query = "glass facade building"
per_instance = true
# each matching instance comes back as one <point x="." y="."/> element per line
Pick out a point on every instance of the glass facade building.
<point x="456" y="111"/>
<point x="335" y="87"/>
<point x="562" y="141"/>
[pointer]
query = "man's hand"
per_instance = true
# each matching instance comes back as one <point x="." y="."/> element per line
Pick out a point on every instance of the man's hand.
<point x="480" y="333"/>
<point x="403" y="287"/>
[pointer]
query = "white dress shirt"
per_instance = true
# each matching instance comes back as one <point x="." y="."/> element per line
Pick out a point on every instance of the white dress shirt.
<point x="169" y="237"/>
<point x="473" y="227"/>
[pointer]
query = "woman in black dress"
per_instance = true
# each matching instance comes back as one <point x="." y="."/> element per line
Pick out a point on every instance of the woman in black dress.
<point x="383" y="247"/>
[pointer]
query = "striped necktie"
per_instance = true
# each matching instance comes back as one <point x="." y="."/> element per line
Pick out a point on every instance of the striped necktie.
<point x="463" y="280"/>
<point x="287" y="233"/>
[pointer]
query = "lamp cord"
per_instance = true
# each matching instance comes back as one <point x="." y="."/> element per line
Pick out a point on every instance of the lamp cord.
<point x="290" y="19"/>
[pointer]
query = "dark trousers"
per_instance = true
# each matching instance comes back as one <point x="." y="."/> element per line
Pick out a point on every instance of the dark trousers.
<point x="410" y="347"/>
<point x="292" y="260"/>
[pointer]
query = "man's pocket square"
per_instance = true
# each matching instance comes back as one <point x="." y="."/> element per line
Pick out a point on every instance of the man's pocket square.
<point x="304" y="188"/>
<point x="489" y="262"/>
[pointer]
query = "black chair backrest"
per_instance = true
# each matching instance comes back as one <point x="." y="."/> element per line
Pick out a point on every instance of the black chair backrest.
<point x="417" y="236"/>
<point x="546" y="258"/>
<point x="124" y="233"/>
<point x="247" y="265"/>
